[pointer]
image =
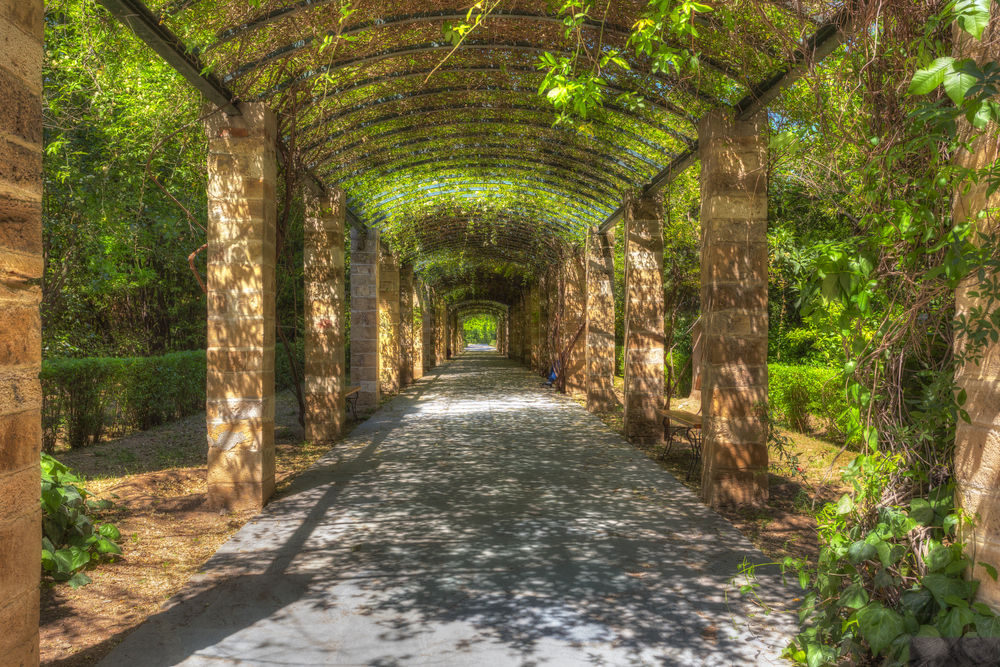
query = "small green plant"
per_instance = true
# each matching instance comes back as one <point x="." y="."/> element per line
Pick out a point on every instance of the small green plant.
<point x="71" y="540"/>
<point x="885" y="574"/>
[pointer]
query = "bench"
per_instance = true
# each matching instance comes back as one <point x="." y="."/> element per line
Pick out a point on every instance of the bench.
<point x="351" y="395"/>
<point x="688" y="424"/>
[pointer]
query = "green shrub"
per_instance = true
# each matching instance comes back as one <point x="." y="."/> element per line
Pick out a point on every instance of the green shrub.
<point x="681" y="377"/>
<point x="71" y="541"/>
<point x="83" y="398"/>
<point x="796" y="392"/>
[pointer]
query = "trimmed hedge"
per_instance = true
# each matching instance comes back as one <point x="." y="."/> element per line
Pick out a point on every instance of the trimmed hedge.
<point x="84" y="399"/>
<point x="798" y="392"/>
<point x="88" y="397"/>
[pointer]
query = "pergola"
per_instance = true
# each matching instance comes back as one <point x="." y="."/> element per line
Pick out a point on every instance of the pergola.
<point x="461" y="194"/>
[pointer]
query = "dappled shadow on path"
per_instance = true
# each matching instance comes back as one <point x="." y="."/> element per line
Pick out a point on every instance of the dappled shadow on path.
<point x="480" y="520"/>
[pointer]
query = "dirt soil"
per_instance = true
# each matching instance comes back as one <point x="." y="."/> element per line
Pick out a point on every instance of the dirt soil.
<point x="786" y="525"/>
<point x="157" y="480"/>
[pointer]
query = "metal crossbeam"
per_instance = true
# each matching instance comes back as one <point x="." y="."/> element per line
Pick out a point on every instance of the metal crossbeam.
<point x="821" y="44"/>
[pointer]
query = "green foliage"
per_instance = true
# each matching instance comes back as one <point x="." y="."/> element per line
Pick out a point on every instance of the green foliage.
<point x="479" y="329"/>
<point x="84" y="398"/>
<point x="797" y="393"/>
<point x="72" y="541"/>
<point x="886" y="573"/>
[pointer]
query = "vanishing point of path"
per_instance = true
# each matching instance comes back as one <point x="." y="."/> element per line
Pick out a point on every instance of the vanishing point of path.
<point x="477" y="519"/>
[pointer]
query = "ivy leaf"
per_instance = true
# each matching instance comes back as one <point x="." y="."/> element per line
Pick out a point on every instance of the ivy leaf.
<point x="942" y="586"/>
<point x="990" y="570"/>
<point x="79" y="579"/>
<point x="927" y="79"/>
<point x="921" y="511"/>
<point x="953" y="625"/>
<point x="861" y="551"/>
<point x="939" y="558"/>
<point x="919" y="601"/>
<point x="854" y="596"/>
<point x="879" y="626"/>
<point x="845" y="504"/>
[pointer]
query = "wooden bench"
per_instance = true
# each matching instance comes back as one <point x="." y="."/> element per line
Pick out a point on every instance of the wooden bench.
<point x="688" y="424"/>
<point x="351" y="395"/>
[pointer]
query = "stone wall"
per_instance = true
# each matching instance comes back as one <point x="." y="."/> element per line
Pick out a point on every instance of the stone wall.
<point x="21" y="33"/>
<point x="733" y="308"/>
<point x="324" y="310"/>
<point x="241" y="304"/>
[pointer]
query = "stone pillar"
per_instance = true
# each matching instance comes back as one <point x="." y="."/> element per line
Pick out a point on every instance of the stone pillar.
<point x="533" y="320"/>
<point x="600" y="332"/>
<point x="555" y="323"/>
<point x="324" y="310"/>
<point x="733" y="308"/>
<point x="457" y="337"/>
<point x="388" y="321"/>
<point x="440" y="342"/>
<point x="417" y="331"/>
<point x="241" y="301"/>
<point x="446" y="333"/>
<point x="544" y="354"/>
<point x="643" y="320"/>
<point x="977" y="445"/>
<point x="429" y="319"/>
<point x="519" y="331"/>
<point x="574" y="317"/>
<point x="21" y="37"/>
<point x="406" y="342"/>
<point x="364" y="317"/>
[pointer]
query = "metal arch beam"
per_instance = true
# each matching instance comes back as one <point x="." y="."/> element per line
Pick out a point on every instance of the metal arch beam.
<point x="430" y="47"/>
<point x="426" y="140"/>
<point x="527" y="71"/>
<point x="820" y="44"/>
<point x="525" y="211"/>
<point x="147" y="27"/>
<point x="428" y="17"/>
<point x="478" y="161"/>
<point x="463" y="188"/>
<point x="482" y="121"/>
<point x="434" y="92"/>
<point x="454" y="233"/>
<point x="481" y="160"/>
<point x="467" y="107"/>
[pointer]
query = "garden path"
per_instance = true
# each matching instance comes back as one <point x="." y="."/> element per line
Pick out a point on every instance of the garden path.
<point x="477" y="519"/>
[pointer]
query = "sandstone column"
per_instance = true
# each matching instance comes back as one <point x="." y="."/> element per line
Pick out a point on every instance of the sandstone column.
<point x="446" y="333"/>
<point x="364" y="317"/>
<point x="406" y="342"/>
<point x="440" y="327"/>
<point x="643" y="320"/>
<point x="417" y="331"/>
<point x="21" y="37"/>
<point x="388" y="321"/>
<point x="429" y="326"/>
<point x="696" y="348"/>
<point x="457" y="337"/>
<point x="555" y="322"/>
<point x="533" y="319"/>
<point x="600" y="332"/>
<point x="241" y="302"/>
<point x="544" y="355"/>
<point x="324" y="310"/>
<point x="574" y="317"/>
<point x="733" y="308"/>
<point x="977" y="445"/>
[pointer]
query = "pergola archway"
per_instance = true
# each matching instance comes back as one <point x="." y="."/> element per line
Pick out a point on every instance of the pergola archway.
<point x="459" y="188"/>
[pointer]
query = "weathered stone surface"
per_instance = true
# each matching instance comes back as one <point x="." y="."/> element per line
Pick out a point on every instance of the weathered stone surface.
<point x="732" y="346"/>
<point x="365" y="317"/>
<point x="407" y="346"/>
<point x="644" y="332"/>
<point x="21" y="54"/>
<point x="241" y="315"/>
<point x="388" y="322"/>
<point x="600" y="312"/>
